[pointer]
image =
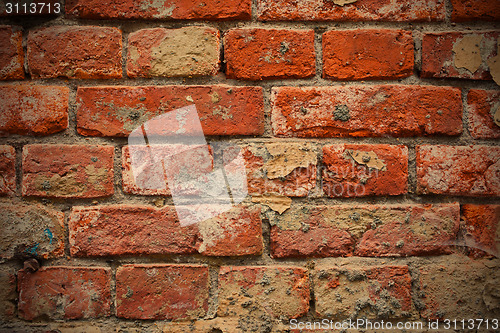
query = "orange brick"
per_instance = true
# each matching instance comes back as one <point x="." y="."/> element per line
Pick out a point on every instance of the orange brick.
<point x="481" y="229"/>
<point x="483" y="107"/>
<point x="475" y="10"/>
<point x="11" y="54"/>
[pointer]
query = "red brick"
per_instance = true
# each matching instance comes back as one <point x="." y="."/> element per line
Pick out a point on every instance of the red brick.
<point x="133" y="230"/>
<point x="161" y="291"/>
<point x="348" y="291"/>
<point x="68" y="171"/>
<point x="64" y="293"/>
<point x="483" y="105"/>
<point x="361" y="10"/>
<point x="117" y="111"/>
<point x="75" y="52"/>
<point x="264" y="292"/>
<point x="458" y="170"/>
<point x="362" y="170"/>
<point x="411" y="231"/>
<point x="33" y="110"/>
<point x="475" y="10"/>
<point x="31" y="231"/>
<point x="162" y="9"/>
<point x="439" y="57"/>
<point x="367" y="54"/>
<point x="457" y="287"/>
<point x="256" y="54"/>
<point x="188" y="51"/>
<point x="482" y="229"/>
<point x="366" y="111"/>
<point x="285" y="168"/>
<point x="7" y="170"/>
<point x="11" y="54"/>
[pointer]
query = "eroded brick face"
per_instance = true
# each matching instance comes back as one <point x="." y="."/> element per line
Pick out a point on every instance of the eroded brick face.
<point x="8" y="170"/>
<point x="11" y="54"/>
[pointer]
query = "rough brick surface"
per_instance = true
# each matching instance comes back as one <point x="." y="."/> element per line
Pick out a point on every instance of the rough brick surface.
<point x="67" y="171"/>
<point x="117" y="111"/>
<point x="265" y="293"/>
<point x="457" y="287"/>
<point x="463" y="55"/>
<point x="484" y="108"/>
<point x="475" y="10"/>
<point x="64" y="293"/>
<point x="8" y="293"/>
<point x="31" y="231"/>
<point x="256" y="54"/>
<point x="7" y="170"/>
<point x="161" y="291"/>
<point x="162" y="9"/>
<point x="458" y="170"/>
<point x="285" y="168"/>
<point x="364" y="230"/>
<point x="361" y="10"/>
<point x="482" y="229"/>
<point x="352" y="291"/>
<point x="367" y="54"/>
<point x="33" y="110"/>
<point x="362" y="170"/>
<point x="365" y="111"/>
<point x="188" y="51"/>
<point x="11" y="54"/>
<point x="137" y="230"/>
<point x="76" y="52"/>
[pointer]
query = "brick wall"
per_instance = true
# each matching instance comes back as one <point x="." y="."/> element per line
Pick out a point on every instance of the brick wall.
<point x="369" y="130"/>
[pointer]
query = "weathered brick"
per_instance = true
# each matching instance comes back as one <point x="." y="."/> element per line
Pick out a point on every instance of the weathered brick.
<point x="161" y="291"/>
<point x="33" y="110"/>
<point x="352" y="291"/>
<point x="362" y="170"/>
<point x="364" y="111"/>
<point x="68" y="171"/>
<point x="123" y="229"/>
<point x="162" y="9"/>
<point x="64" y="293"/>
<point x="463" y="55"/>
<point x="361" y="10"/>
<point x="371" y="54"/>
<point x="484" y="113"/>
<point x="286" y="168"/>
<point x="458" y="287"/>
<point x="75" y="52"/>
<point x="8" y="294"/>
<point x="256" y="54"/>
<point x="187" y="51"/>
<point x="7" y="170"/>
<point x="263" y="293"/>
<point x="31" y="231"/>
<point x="364" y="230"/>
<point x="481" y="229"/>
<point x="117" y="111"/>
<point x="458" y="170"/>
<point x="11" y="53"/>
<point x="475" y="10"/>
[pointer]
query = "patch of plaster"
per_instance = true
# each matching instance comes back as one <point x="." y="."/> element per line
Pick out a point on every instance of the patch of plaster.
<point x="468" y="53"/>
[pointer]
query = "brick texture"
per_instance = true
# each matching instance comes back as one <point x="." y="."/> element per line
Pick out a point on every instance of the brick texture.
<point x="161" y="291"/>
<point x="458" y="170"/>
<point x="143" y="9"/>
<point x="75" y="52"/>
<point x="481" y="229"/>
<point x="117" y="111"/>
<point x="458" y="54"/>
<point x="367" y="54"/>
<point x="8" y="170"/>
<point x="64" y="293"/>
<point x="361" y="10"/>
<point x="33" y="110"/>
<point x="8" y="294"/>
<point x="362" y="170"/>
<point x="188" y="51"/>
<point x="475" y="10"/>
<point x="363" y="111"/>
<point x="257" y="54"/>
<point x="484" y="113"/>
<point x="67" y="171"/>
<point x="11" y="53"/>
